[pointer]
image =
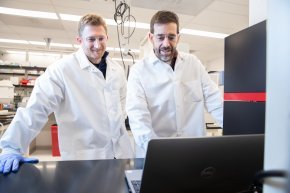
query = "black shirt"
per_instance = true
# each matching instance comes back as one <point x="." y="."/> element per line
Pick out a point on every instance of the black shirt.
<point x="102" y="66"/>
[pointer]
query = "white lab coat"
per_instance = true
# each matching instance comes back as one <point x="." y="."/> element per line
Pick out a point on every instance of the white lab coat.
<point x="89" y="110"/>
<point x="166" y="103"/>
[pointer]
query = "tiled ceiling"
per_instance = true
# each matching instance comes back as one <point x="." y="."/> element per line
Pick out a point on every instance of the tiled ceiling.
<point x="221" y="16"/>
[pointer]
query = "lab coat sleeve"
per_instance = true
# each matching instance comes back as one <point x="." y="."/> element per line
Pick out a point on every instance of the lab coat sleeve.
<point x="27" y="123"/>
<point x="138" y="112"/>
<point x="212" y="97"/>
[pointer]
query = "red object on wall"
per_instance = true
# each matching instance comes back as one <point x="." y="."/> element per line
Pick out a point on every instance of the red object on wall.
<point x="24" y="82"/>
<point x="256" y="97"/>
<point x="54" y="140"/>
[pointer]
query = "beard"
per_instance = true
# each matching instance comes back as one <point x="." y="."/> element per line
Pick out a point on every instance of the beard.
<point x="165" y="54"/>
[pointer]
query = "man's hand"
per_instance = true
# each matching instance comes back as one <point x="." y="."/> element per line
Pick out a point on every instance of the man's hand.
<point x="11" y="161"/>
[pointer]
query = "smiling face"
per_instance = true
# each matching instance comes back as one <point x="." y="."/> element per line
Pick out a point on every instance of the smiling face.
<point x="165" y="40"/>
<point x="93" y="41"/>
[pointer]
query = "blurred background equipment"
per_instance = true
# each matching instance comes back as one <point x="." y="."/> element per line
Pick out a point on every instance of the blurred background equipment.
<point x="6" y="91"/>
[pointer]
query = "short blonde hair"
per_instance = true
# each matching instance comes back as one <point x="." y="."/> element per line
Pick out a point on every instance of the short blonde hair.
<point x="91" y="19"/>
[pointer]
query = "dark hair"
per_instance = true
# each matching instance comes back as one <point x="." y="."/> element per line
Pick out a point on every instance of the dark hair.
<point x="90" y="19"/>
<point x="164" y="17"/>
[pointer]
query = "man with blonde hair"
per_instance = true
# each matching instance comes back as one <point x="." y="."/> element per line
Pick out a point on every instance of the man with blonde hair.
<point x="86" y="91"/>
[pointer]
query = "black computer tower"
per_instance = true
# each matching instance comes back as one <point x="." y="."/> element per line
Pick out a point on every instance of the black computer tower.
<point x="245" y="81"/>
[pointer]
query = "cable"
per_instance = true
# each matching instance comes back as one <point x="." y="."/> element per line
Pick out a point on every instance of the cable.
<point x="120" y="48"/>
<point x="120" y="12"/>
<point x="130" y="54"/>
<point x="122" y="15"/>
<point x="257" y="186"/>
<point x="133" y="58"/>
<point x="260" y="176"/>
<point x="130" y="34"/>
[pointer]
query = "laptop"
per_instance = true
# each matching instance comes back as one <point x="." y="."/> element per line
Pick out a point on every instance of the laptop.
<point x="224" y="164"/>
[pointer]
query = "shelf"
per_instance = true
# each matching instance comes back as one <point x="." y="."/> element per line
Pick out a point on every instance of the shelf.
<point x="23" y="86"/>
<point x="18" y="74"/>
<point x="22" y="67"/>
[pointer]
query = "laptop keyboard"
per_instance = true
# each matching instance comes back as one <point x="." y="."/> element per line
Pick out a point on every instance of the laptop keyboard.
<point x="136" y="184"/>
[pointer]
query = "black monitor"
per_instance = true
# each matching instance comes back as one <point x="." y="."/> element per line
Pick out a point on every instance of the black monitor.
<point x="224" y="164"/>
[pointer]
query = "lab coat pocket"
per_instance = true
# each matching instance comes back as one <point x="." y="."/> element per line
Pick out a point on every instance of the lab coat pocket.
<point x="192" y="91"/>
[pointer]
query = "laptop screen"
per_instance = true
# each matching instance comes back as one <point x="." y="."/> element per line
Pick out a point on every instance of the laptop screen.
<point x="225" y="164"/>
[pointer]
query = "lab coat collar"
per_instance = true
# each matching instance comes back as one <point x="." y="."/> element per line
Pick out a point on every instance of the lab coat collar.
<point x="180" y="58"/>
<point x="83" y="59"/>
<point x="153" y="59"/>
<point x="85" y="63"/>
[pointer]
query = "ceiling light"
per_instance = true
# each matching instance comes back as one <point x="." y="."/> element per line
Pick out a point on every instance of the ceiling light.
<point x="61" y="45"/>
<point x="15" y="52"/>
<point x="13" y="41"/>
<point x="203" y="33"/>
<point x="135" y="50"/>
<point x="142" y="25"/>
<point x="76" y="45"/>
<point x="37" y="43"/>
<point x="110" y="49"/>
<point x="27" y="13"/>
<point x="33" y="53"/>
<point x="110" y="22"/>
<point x="138" y="25"/>
<point x="51" y="44"/>
<point x="43" y="54"/>
<point x="69" y="17"/>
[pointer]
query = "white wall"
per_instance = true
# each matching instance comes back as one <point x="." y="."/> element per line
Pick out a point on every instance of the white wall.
<point x="146" y="48"/>
<point x="277" y="131"/>
<point x="277" y="147"/>
<point x="216" y="65"/>
<point x="257" y="11"/>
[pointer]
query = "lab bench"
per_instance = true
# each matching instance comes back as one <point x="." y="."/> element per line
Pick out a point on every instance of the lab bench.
<point x="89" y="176"/>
